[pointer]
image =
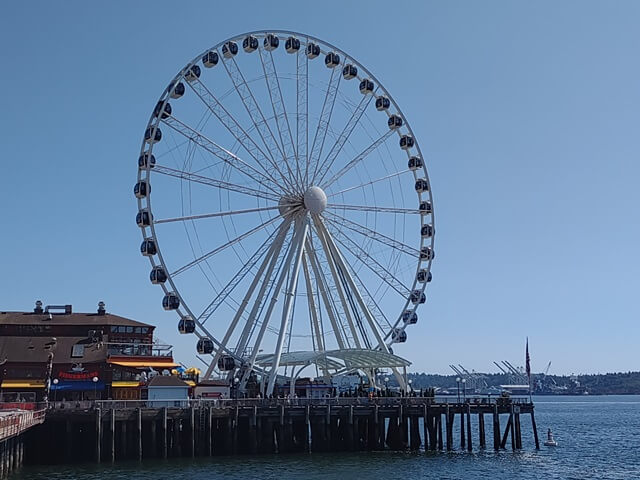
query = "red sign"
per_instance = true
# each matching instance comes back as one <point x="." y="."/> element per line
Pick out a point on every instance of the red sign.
<point x="77" y="375"/>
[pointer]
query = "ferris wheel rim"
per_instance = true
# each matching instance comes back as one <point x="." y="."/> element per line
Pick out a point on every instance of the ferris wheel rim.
<point x="145" y="173"/>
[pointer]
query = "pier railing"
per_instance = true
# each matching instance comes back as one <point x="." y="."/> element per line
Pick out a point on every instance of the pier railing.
<point x="290" y="402"/>
<point x="14" y="422"/>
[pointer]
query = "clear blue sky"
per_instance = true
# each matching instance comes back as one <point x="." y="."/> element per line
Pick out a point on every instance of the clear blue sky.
<point x="528" y="114"/>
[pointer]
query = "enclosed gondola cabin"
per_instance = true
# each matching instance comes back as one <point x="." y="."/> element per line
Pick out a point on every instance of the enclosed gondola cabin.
<point x="421" y="185"/>
<point x="226" y="363"/>
<point x="148" y="247"/>
<point x="425" y="208"/>
<point x="406" y="142"/>
<point x="186" y="325"/>
<point x="171" y="301"/>
<point x="158" y="275"/>
<point x="418" y="296"/>
<point x="426" y="231"/>
<point x="366" y="86"/>
<point x="332" y="60"/>
<point x="210" y="59"/>
<point x="382" y="103"/>
<point x="177" y="91"/>
<point x="409" y="317"/>
<point x="204" y="346"/>
<point x="426" y="253"/>
<point x="143" y="218"/>
<point x="312" y="51"/>
<point x="192" y="73"/>
<point x="292" y="45"/>
<point x="146" y="160"/>
<point x="271" y="42"/>
<point x="415" y="163"/>
<point x="423" y="276"/>
<point x="394" y="122"/>
<point x="152" y="135"/>
<point x="349" y="72"/>
<point x="398" y="335"/>
<point x="141" y="189"/>
<point x="229" y="49"/>
<point x="250" y="44"/>
<point x="163" y="107"/>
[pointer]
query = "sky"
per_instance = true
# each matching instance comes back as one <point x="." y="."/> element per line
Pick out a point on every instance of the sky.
<point x="527" y="114"/>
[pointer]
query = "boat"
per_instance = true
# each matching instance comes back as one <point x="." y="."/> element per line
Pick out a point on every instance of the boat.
<point x="550" y="442"/>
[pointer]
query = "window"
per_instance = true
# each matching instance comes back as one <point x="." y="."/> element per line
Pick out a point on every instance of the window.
<point x="77" y="351"/>
<point x="137" y="330"/>
<point x="114" y="328"/>
<point x="129" y="329"/>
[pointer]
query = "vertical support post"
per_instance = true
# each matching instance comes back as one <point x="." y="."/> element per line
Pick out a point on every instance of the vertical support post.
<point x="462" y="442"/>
<point x="449" y="425"/>
<point x="505" y="437"/>
<point x="192" y="430"/>
<point x="481" y="429"/>
<point x="164" y="432"/>
<point x="469" y="446"/>
<point x="535" y="430"/>
<point x="98" y="434"/>
<point x="112" y="436"/>
<point x="513" y="427"/>
<point x="139" y="432"/>
<point x="153" y="446"/>
<point x="425" y="424"/>
<point x="518" y="429"/>
<point x="439" y="422"/>
<point x="496" y="428"/>
<point x="210" y="431"/>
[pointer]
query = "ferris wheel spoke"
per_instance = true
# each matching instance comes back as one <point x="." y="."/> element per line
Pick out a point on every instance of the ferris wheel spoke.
<point x="222" y="153"/>
<point x="236" y="279"/>
<point x="325" y="293"/>
<point x="381" y="179"/>
<point x="372" y="264"/>
<point x="232" y="125"/>
<point x="280" y="113"/>
<point x="347" y="308"/>
<point x="361" y="156"/>
<point x="181" y="174"/>
<point x="327" y="163"/>
<point x="367" y="232"/>
<point x="257" y="117"/>
<point x="268" y="263"/>
<point x="367" y="208"/>
<point x="216" y="214"/>
<point x="302" y="109"/>
<point x="354" y="288"/>
<point x="325" y="119"/>
<point x="224" y="246"/>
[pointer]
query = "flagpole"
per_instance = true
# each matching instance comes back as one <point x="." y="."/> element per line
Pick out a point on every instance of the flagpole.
<point x="528" y="367"/>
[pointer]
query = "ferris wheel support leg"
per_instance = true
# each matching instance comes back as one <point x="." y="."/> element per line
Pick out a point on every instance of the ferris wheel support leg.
<point x="272" y="304"/>
<point x="277" y="248"/>
<point x="339" y="287"/>
<point x="278" y="242"/>
<point x="317" y="271"/>
<point x="302" y="226"/>
<point x="356" y="292"/>
<point x="319" y="340"/>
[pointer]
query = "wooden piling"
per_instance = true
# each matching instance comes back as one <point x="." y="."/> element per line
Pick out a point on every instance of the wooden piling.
<point x="462" y="440"/>
<point x="192" y="430"/>
<point x="98" y="434"/>
<point x="513" y="427"/>
<point x="518" y="429"/>
<point x="439" y="423"/>
<point x="139" y="432"/>
<point x="210" y="431"/>
<point x="535" y="430"/>
<point x="469" y="446"/>
<point x="112" y="436"/>
<point x="449" y="429"/>
<point x="481" y="435"/>
<point x="496" y="428"/>
<point x="164" y="433"/>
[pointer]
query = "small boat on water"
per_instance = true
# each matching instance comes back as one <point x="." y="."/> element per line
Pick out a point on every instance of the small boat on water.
<point x="550" y="442"/>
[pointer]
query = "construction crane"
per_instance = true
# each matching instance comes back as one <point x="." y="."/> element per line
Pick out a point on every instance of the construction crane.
<point x="546" y="370"/>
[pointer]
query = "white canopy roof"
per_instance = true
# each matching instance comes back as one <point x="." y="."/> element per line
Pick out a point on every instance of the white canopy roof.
<point x="337" y="359"/>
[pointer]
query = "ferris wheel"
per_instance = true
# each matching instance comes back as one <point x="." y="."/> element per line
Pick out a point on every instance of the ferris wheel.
<point x="292" y="221"/>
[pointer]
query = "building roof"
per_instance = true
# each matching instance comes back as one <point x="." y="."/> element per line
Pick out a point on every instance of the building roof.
<point x="337" y="359"/>
<point x="167" y="381"/>
<point x="93" y="319"/>
<point x="36" y="350"/>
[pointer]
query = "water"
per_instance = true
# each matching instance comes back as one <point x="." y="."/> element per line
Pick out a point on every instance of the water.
<point x="598" y="437"/>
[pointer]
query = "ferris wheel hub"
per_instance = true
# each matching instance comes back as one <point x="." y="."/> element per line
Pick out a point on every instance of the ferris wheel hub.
<point x="315" y="200"/>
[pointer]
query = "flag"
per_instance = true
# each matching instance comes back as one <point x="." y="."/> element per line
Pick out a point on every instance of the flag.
<point x="528" y="362"/>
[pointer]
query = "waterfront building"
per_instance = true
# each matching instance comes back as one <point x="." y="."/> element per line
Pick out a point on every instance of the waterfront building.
<point x="78" y="356"/>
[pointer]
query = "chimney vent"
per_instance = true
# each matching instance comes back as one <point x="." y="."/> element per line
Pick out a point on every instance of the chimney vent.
<point x="101" y="308"/>
<point x="38" y="308"/>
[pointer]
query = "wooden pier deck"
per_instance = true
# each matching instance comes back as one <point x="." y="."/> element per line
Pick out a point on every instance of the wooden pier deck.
<point x="113" y="430"/>
<point x="14" y="422"/>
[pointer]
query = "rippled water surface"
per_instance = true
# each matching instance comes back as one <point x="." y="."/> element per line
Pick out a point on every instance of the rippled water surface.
<point x="598" y="437"/>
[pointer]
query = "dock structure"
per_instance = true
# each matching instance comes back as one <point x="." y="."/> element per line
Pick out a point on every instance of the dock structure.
<point x="116" y="430"/>
<point x="14" y="423"/>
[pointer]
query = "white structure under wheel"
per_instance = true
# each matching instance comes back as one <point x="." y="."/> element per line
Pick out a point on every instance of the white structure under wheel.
<point x="292" y="219"/>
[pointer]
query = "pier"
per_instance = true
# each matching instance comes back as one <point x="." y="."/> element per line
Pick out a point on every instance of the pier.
<point x="107" y="431"/>
<point x="14" y="423"/>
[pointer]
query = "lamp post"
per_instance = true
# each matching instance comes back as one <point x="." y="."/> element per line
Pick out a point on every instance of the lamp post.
<point x="409" y="390"/>
<point x="95" y="388"/>
<point x="55" y="390"/>
<point x="464" y="389"/>
<point x="458" y="385"/>
<point x="235" y="386"/>
<point x="386" y="386"/>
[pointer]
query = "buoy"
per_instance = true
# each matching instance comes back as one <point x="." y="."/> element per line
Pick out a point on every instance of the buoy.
<point x="550" y="441"/>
